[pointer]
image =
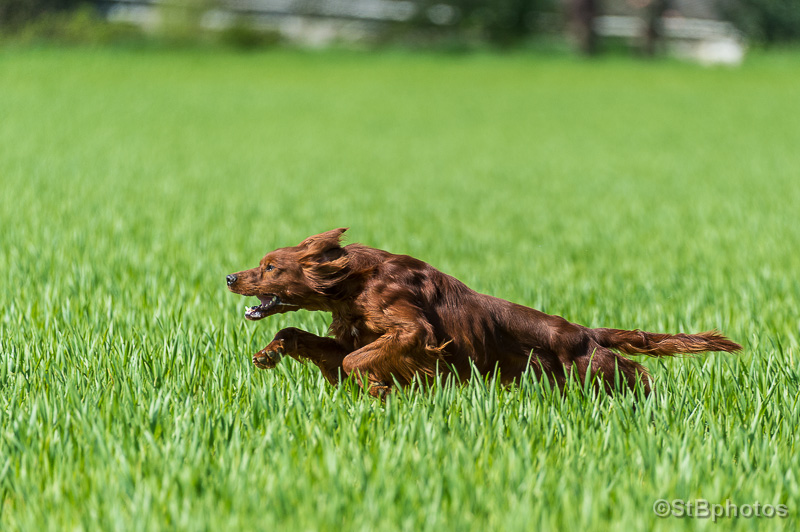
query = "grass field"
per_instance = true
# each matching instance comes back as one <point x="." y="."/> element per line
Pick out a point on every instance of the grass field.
<point x="661" y="196"/>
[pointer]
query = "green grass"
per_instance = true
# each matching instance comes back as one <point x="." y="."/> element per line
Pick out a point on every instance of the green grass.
<point x="661" y="196"/>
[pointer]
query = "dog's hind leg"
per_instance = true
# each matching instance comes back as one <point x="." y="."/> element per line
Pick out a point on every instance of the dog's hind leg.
<point x="613" y="371"/>
<point x="326" y="353"/>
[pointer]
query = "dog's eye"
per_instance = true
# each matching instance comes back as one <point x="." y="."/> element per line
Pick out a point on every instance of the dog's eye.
<point x="269" y="267"/>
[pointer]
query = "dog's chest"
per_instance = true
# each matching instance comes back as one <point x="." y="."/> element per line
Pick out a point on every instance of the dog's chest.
<point x="353" y="331"/>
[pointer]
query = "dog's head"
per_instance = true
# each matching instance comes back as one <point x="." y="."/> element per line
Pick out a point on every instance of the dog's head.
<point x="304" y="276"/>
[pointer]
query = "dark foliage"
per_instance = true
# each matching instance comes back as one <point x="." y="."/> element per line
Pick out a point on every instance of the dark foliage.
<point x="16" y="13"/>
<point x="501" y="22"/>
<point x="765" y="21"/>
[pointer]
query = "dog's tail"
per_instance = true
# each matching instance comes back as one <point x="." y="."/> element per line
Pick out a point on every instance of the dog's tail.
<point x="659" y="345"/>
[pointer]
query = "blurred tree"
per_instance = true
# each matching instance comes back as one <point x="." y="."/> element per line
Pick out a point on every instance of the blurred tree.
<point x="582" y="14"/>
<point x="17" y="13"/>
<point x="766" y="21"/>
<point x="502" y="22"/>
<point x="653" y="27"/>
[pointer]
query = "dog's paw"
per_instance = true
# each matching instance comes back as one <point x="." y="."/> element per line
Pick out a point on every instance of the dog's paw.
<point x="381" y="389"/>
<point x="269" y="357"/>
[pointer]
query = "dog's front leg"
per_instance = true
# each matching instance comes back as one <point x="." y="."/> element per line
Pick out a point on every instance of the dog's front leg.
<point x="326" y="353"/>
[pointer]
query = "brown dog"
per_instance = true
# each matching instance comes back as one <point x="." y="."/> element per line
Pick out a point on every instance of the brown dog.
<point x="396" y="317"/>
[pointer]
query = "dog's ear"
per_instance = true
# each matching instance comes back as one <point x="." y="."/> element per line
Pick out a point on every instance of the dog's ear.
<point x="324" y="262"/>
<point x="324" y="246"/>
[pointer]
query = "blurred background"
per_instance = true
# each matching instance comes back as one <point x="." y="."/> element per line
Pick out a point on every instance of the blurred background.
<point x="709" y="31"/>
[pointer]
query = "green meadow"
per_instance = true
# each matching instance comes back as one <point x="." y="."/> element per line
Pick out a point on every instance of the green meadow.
<point x="662" y="196"/>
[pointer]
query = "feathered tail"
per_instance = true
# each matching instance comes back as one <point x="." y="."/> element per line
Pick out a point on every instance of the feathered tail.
<point x="659" y="345"/>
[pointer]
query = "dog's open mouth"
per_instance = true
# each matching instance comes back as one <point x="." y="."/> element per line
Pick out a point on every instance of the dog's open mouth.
<point x="270" y="304"/>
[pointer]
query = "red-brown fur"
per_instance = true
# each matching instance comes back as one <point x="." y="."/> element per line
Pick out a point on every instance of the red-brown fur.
<point x="396" y="317"/>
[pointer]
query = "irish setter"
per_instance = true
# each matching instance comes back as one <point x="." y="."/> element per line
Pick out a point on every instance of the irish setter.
<point x="396" y="317"/>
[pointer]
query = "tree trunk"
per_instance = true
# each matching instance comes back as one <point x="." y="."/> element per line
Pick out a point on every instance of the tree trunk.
<point x="654" y="26"/>
<point x="582" y="15"/>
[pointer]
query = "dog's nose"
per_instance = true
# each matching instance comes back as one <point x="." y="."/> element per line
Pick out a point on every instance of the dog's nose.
<point x="231" y="279"/>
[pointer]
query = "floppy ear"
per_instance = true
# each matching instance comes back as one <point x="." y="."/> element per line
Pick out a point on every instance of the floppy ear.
<point x="324" y="246"/>
<point x="324" y="262"/>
